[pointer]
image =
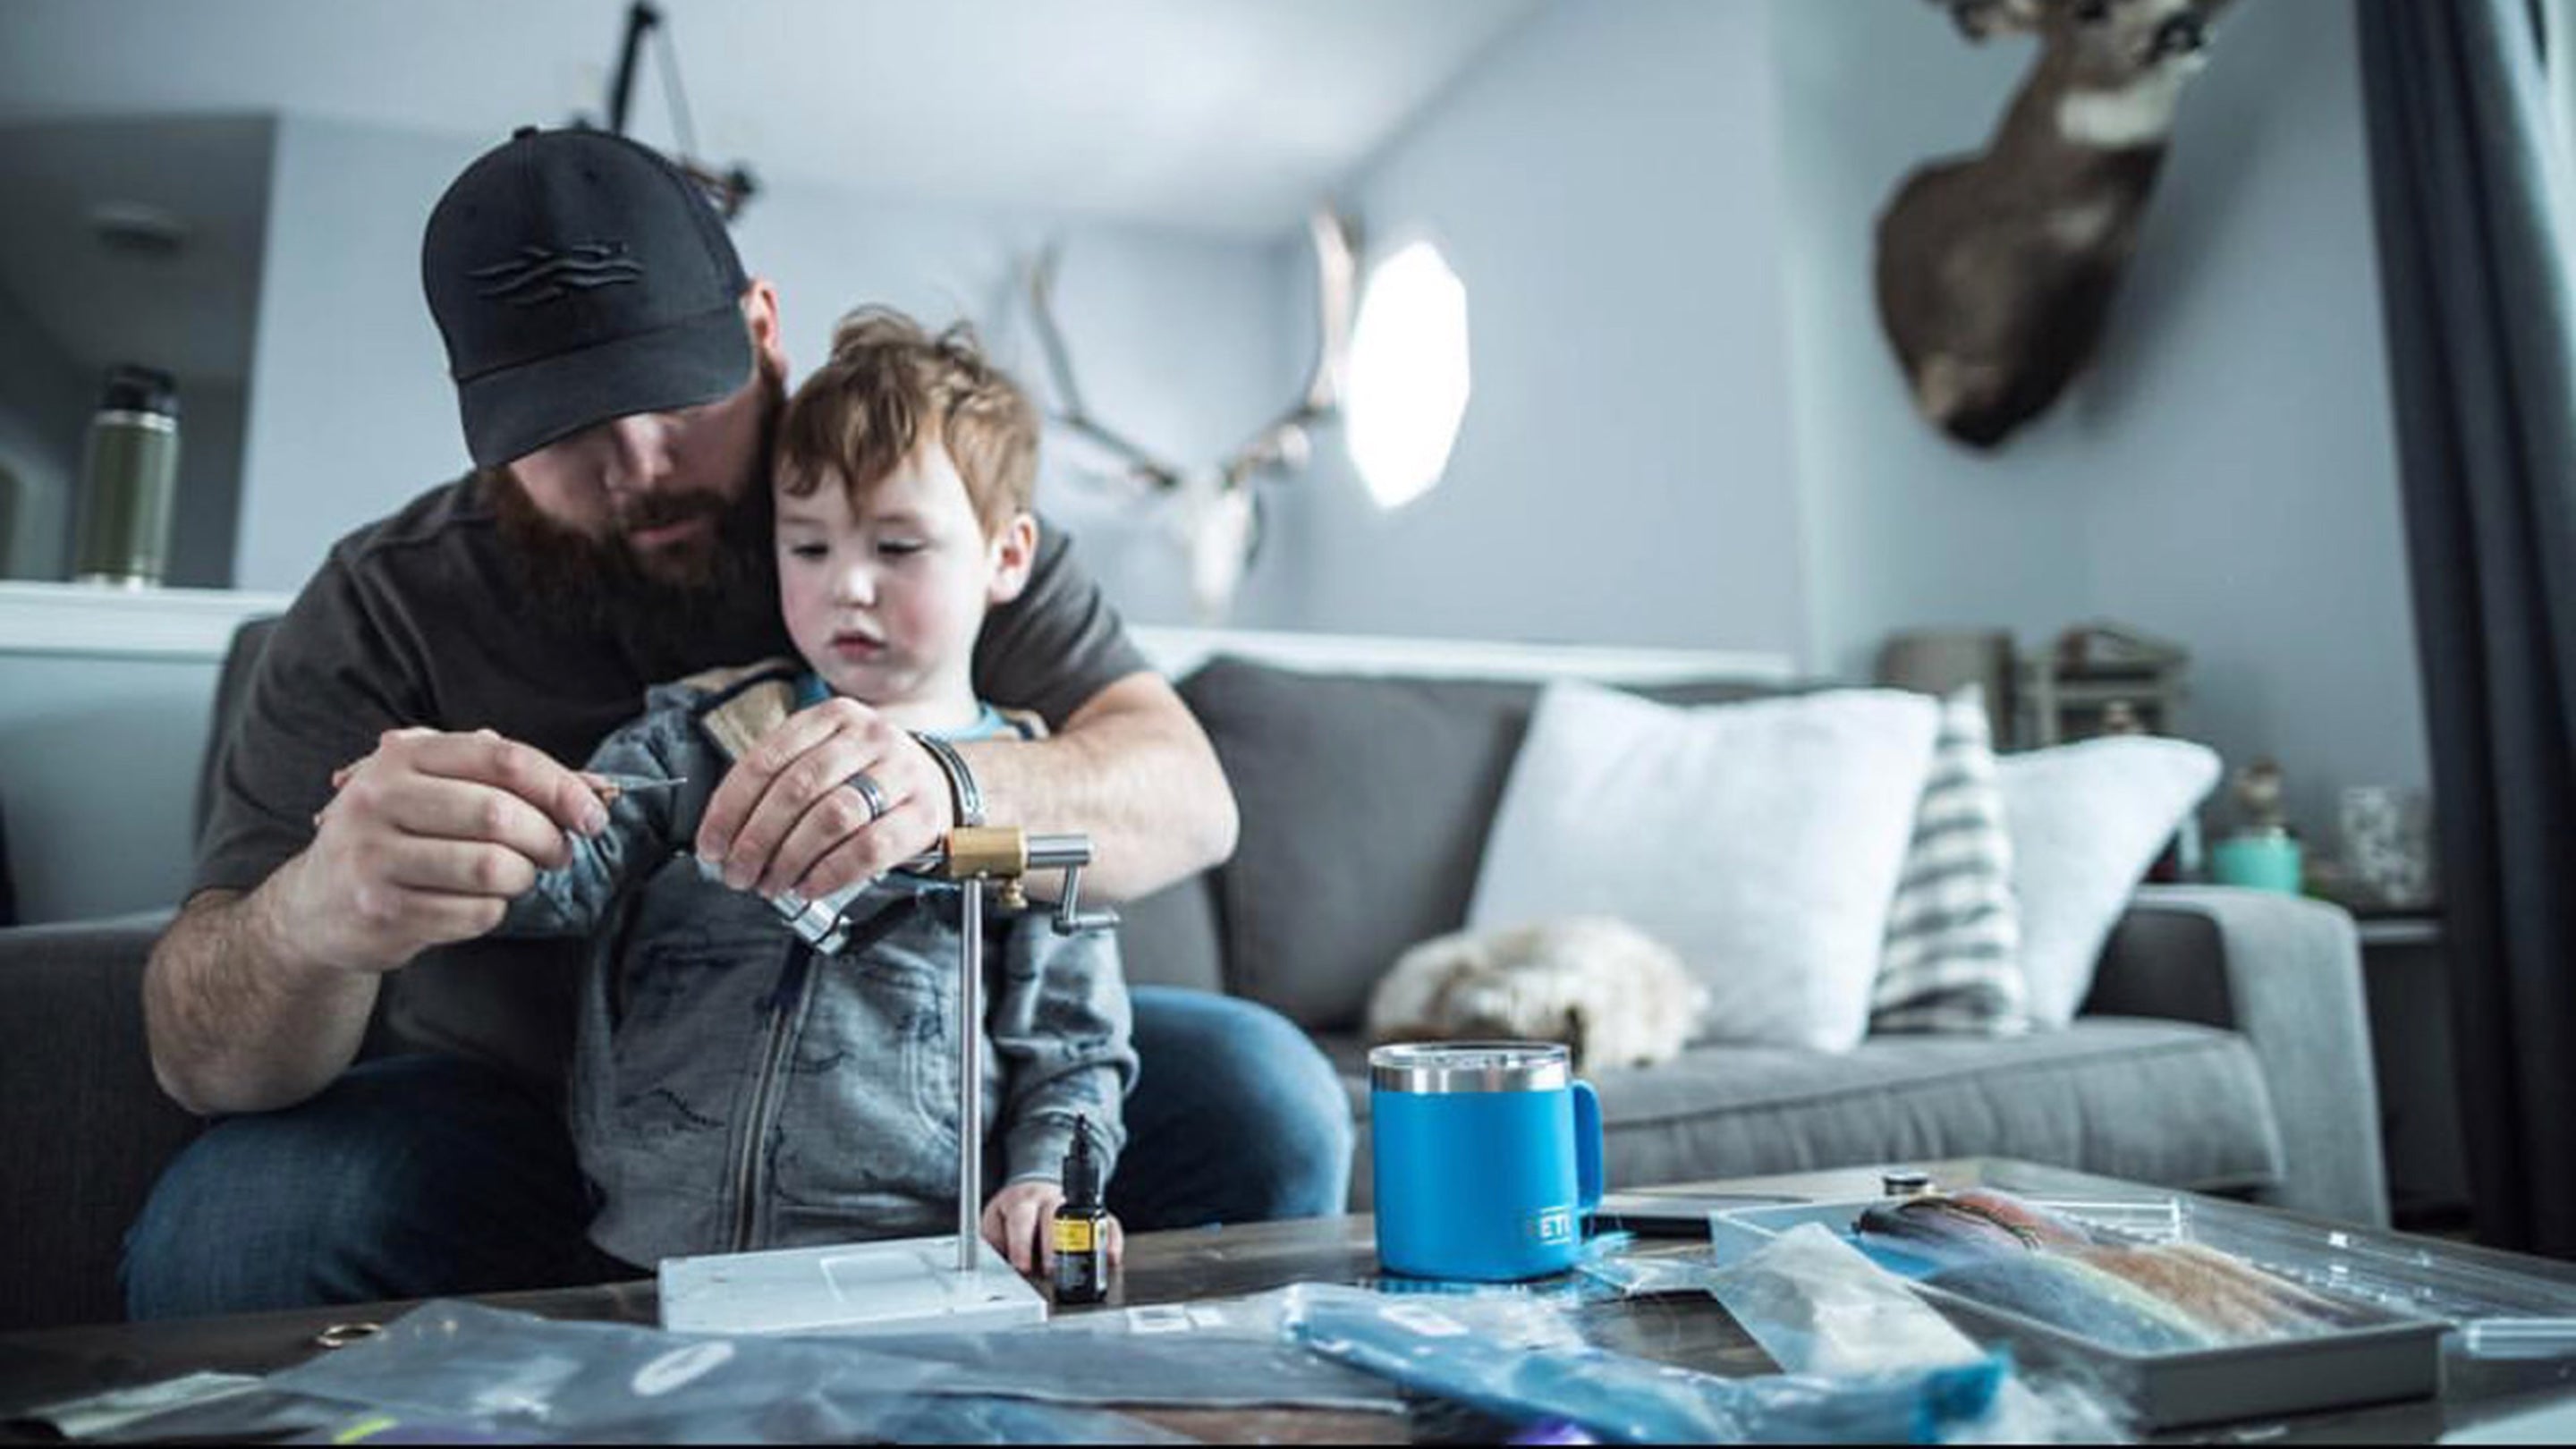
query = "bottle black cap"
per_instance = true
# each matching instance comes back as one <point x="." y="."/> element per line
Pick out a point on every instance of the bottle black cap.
<point x="1081" y="1168"/>
<point x="132" y="389"/>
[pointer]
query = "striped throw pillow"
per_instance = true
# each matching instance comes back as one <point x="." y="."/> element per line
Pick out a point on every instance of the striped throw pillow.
<point x="1952" y="960"/>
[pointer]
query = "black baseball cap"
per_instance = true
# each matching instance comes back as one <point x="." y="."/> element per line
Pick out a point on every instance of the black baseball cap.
<point x="578" y="277"/>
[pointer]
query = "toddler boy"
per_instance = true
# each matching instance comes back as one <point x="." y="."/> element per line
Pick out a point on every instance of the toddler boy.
<point x="733" y="1088"/>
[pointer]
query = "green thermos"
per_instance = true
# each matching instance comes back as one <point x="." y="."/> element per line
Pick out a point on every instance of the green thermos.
<point x="128" y="472"/>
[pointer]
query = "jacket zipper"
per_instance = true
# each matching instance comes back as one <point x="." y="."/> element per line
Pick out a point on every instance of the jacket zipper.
<point x="784" y="1023"/>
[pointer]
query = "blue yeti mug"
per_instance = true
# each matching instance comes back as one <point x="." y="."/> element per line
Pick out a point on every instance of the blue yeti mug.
<point x="1485" y="1156"/>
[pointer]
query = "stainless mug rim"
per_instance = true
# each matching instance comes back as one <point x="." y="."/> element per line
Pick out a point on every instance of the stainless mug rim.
<point x="1436" y="1068"/>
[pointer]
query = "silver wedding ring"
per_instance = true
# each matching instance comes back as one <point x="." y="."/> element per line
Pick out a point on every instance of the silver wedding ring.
<point x="872" y="792"/>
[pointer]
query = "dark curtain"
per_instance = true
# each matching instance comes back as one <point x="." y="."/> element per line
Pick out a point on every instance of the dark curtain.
<point x="8" y="890"/>
<point x="2473" y="204"/>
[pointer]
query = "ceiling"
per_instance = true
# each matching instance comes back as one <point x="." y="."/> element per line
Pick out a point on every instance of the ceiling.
<point x="1226" y="115"/>
<point x="189" y="310"/>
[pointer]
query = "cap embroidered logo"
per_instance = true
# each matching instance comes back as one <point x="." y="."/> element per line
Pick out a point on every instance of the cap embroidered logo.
<point x="540" y="274"/>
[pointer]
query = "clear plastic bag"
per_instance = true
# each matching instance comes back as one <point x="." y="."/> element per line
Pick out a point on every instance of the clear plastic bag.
<point x="259" y="1413"/>
<point x="796" y="1419"/>
<point x="1817" y="1306"/>
<point x="453" y="1362"/>
<point x="1228" y="1360"/>
<point x="1453" y="1349"/>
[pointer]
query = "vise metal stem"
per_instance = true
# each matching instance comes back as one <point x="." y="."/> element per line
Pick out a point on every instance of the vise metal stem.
<point x="971" y="856"/>
<point x="970" y="1076"/>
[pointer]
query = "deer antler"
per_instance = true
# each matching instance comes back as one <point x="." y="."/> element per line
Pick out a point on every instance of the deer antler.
<point x="1979" y="19"/>
<point x="1983" y="19"/>
<point x="1286" y="440"/>
<point x="1070" y="410"/>
<point x="1282" y="442"/>
<point x="1216" y="511"/>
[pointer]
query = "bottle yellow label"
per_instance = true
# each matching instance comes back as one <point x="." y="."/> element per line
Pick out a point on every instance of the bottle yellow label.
<point x="1072" y="1235"/>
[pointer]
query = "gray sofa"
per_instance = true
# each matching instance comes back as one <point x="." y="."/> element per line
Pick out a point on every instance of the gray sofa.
<point x="2224" y="1047"/>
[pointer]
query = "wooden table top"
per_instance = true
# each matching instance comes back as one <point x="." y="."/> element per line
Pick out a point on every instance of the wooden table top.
<point x="1180" y="1267"/>
<point x="1171" y="1267"/>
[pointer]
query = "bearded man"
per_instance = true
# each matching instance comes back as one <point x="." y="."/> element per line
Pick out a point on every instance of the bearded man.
<point x="389" y="1085"/>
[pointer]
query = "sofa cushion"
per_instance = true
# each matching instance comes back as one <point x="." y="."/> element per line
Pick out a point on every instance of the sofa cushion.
<point x="87" y="1130"/>
<point x="2087" y="820"/>
<point x="1761" y="841"/>
<point x="232" y="687"/>
<point x="1953" y="956"/>
<point x="1170" y="938"/>
<point x="2151" y="1101"/>
<point x="1364" y="802"/>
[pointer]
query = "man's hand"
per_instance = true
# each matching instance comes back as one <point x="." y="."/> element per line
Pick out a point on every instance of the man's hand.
<point x="426" y="842"/>
<point x="786" y="816"/>
<point x="255" y="1002"/>
<point x="1022" y="1217"/>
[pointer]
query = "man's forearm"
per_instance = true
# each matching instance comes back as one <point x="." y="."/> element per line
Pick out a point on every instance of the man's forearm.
<point x="234" y="1022"/>
<point x="1131" y="769"/>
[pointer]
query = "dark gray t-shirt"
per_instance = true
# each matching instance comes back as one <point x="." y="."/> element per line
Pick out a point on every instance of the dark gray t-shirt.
<point x="426" y="618"/>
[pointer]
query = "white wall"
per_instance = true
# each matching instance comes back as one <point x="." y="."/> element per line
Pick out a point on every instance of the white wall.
<point x="2225" y="476"/>
<point x="2254" y="507"/>
<point x="206" y="504"/>
<point x="1172" y="334"/>
<point x="1902" y="528"/>
<point x="1605" y="185"/>
<point x="352" y="413"/>
<point x="44" y="404"/>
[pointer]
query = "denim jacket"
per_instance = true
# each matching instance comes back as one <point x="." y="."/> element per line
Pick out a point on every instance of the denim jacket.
<point x="733" y="1089"/>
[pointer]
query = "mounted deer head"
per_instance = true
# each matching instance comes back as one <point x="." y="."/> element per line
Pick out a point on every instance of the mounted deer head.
<point x="1216" y="509"/>
<point x="1996" y="271"/>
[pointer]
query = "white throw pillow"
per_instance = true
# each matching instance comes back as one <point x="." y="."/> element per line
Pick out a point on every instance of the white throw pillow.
<point x="2087" y="820"/>
<point x="1761" y="841"/>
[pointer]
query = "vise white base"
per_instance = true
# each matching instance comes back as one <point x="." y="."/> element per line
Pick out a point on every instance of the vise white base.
<point x="905" y="1285"/>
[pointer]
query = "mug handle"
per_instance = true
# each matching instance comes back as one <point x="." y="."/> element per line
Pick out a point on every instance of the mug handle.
<point x="1587" y="1146"/>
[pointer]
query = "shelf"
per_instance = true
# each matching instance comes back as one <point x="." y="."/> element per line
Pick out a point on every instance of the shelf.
<point x="99" y="620"/>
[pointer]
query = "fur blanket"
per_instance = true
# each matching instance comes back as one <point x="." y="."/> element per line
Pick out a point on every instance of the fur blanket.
<point x="1616" y="996"/>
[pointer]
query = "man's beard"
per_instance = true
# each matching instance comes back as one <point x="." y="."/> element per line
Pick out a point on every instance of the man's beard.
<point x="604" y="584"/>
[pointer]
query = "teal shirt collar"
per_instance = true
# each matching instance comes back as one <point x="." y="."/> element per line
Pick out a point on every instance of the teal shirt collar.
<point x="989" y="723"/>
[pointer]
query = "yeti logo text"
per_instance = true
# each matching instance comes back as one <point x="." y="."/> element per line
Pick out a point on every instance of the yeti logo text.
<point x="1552" y="1225"/>
<point x="540" y="274"/>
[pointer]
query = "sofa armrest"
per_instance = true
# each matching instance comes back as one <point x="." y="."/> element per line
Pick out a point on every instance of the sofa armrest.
<point x="2286" y="974"/>
<point x="85" y="1129"/>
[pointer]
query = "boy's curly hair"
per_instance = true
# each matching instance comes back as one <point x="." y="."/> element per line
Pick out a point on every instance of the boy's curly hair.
<point x="891" y="387"/>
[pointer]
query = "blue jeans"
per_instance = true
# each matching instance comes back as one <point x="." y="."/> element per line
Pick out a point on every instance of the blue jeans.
<point x="422" y="1176"/>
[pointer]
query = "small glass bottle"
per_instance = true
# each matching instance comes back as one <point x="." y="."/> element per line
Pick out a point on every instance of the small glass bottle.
<point x="1081" y="1226"/>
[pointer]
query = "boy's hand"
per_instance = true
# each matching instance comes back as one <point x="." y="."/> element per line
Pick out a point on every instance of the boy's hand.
<point x="1022" y="1217"/>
